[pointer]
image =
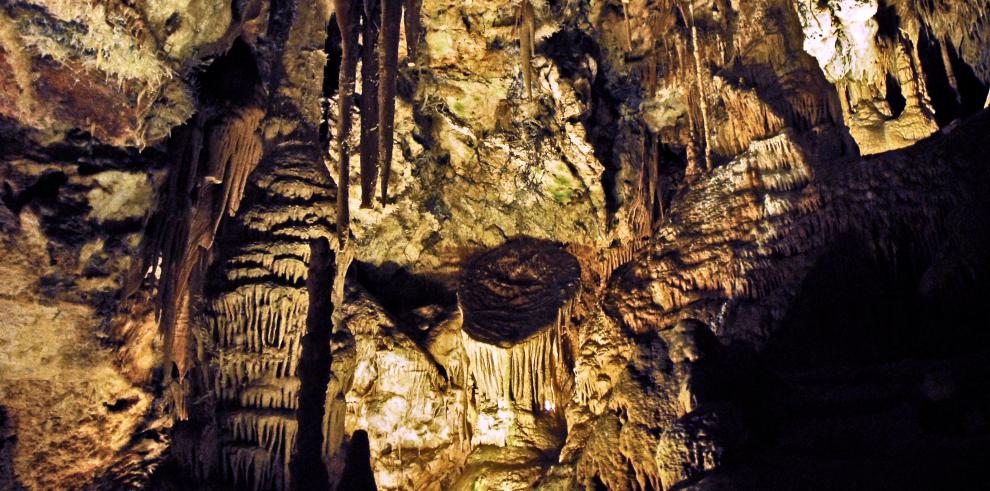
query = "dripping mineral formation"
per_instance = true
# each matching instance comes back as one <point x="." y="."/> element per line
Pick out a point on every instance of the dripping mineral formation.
<point x="494" y="245"/>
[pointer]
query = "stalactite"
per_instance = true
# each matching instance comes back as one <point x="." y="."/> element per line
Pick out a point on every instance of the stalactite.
<point x="168" y="241"/>
<point x="527" y="43"/>
<point x="348" y="20"/>
<point x="950" y="72"/>
<point x="610" y="260"/>
<point x="643" y="220"/>
<point x="369" y="100"/>
<point x="257" y="325"/>
<point x="255" y="315"/>
<point x="266" y="466"/>
<point x="645" y="211"/>
<point x="524" y="373"/>
<point x="702" y="97"/>
<point x="388" y="45"/>
<point x="185" y="231"/>
<point x="516" y="305"/>
<point x="258" y="329"/>
<point x="656" y="184"/>
<point x="234" y="151"/>
<point x="651" y="145"/>
<point x="413" y="27"/>
<point x="180" y="351"/>
<point x="625" y="15"/>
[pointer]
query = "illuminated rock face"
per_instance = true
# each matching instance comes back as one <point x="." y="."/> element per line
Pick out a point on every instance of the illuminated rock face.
<point x="887" y="65"/>
<point x="842" y="37"/>
<point x="618" y="238"/>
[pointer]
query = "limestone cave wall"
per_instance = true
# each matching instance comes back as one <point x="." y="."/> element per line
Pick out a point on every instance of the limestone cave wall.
<point x="538" y="244"/>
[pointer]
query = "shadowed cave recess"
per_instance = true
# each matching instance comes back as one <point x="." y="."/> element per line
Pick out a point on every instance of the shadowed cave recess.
<point x="494" y="245"/>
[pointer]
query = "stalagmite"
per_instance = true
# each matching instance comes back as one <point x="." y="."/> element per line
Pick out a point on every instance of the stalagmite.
<point x="308" y="470"/>
<point x="256" y="319"/>
<point x="388" y="45"/>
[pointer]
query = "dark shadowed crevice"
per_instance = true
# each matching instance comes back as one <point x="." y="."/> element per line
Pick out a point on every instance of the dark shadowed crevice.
<point x="77" y="146"/>
<point x="972" y="91"/>
<point x="855" y="308"/>
<point x="895" y="97"/>
<point x="598" y="485"/>
<point x="850" y="309"/>
<point x="944" y="98"/>
<point x="888" y="22"/>
<point x="602" y="129"/>
<point x="120" y="405"/>
<point x="307" y="469"/>
<point x="231" y="79"/>
<point x="413" y="300"/>
<point x="604" y="92"/>
<point x="673" y="165"/>
<point x="567" y="49"/>
<point x="242" y="9"/>
<point x="955" y="90"/>
<point x="44" y="190"/>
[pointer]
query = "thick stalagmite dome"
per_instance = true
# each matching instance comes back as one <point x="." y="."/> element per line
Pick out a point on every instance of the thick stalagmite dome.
<point x="512" y="292"/>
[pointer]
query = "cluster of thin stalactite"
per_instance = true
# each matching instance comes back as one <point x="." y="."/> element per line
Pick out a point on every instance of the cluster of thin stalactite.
<point x="196" y="201"/>
<point x="377" y="23"/>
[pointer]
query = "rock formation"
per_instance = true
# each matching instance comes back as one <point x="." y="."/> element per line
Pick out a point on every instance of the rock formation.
<point x="636" y="244"/>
